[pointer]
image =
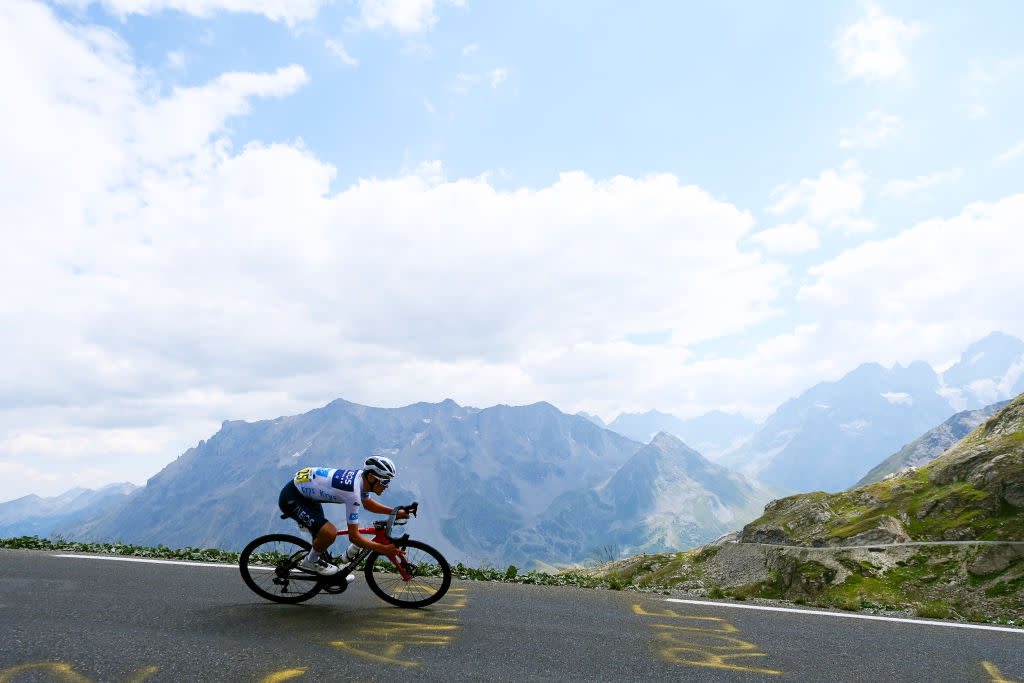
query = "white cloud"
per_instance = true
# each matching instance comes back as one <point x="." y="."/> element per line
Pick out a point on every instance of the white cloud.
<point x="1012" y="153"/>
<point x="977" y="111"/>
<point x="404" y="16"/>
<point x="288" y="11"/>
<point x="875" y="48"/>
<point x="793" y="238"/>
<point x="179" y="281"/>
<point x="338" y="50"/>
<point x="833" y="199"/>
<point x="875" y="129"/>
<point x="899" y="398"/>
<point x="497" y="76"/>
<point x="965" y="281"/>
<point x="902" y="188"/>
<point x="470" y="49"/>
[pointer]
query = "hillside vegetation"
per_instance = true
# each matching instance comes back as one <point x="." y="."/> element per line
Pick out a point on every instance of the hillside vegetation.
<point x="830" y="549"/>
<point x="975" y="491"/>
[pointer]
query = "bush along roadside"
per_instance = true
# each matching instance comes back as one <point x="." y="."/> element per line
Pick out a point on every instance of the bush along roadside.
<point x="188" y="553"/>
<point x="459" y="571"/>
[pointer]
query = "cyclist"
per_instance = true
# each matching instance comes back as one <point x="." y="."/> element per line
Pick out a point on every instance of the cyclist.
<point x="302" y="498"/>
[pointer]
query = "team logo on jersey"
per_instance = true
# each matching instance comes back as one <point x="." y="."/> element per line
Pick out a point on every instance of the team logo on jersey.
<point x="344" y="480"/>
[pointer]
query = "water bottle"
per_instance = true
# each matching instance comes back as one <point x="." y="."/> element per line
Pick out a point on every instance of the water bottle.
<point x="352" y="552"/>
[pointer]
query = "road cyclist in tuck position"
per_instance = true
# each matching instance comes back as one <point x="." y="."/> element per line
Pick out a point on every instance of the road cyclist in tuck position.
<point x="399" y="570"/>
<point x="302" y="499"/>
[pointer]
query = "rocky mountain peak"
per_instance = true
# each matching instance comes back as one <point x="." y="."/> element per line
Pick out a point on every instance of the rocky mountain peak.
<point x="973" y="491"/>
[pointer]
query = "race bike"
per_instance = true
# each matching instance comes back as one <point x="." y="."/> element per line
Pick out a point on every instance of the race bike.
<point x="269" y="566"/>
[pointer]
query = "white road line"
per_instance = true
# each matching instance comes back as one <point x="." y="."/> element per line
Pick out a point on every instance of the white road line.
<point x="147" y="560"/>
<point x="846" y="615"/>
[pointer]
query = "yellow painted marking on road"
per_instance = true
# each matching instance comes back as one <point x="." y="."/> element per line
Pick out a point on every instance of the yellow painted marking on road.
<point x="57" y="670"/>
<point x="723" y="626"/>
<point x="142" y="674"/>
<point x="61" y="671"/>
<point x="387" y="655"/>
<point x="665" y="612"/>
<point x="433" y="616"/>
<point x="384" y="641"/>
<point x="416" y="588"/>
<point x="710" y="633"/>
<point x="393" y="628"/>
<point x="995" y="676"/>
<point x="283" y="675"/>
<point x="695" y="640"/>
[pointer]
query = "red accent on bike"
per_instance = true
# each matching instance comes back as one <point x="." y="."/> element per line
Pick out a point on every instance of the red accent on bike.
<point x="344" y="532"/>
<point x="380" y="536"/>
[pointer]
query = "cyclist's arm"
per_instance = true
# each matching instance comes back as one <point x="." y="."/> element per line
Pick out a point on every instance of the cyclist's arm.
<point x="376" y="506"/>
<point x="381" y="509"/>
<point x="363" y="542"/>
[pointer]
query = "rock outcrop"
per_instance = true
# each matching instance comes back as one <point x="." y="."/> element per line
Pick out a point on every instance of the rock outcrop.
<point x="886" y="545"/>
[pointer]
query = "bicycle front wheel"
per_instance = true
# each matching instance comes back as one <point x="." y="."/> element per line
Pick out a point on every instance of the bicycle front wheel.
<point x="428" y="571"/>
<point x="268" y="566"/>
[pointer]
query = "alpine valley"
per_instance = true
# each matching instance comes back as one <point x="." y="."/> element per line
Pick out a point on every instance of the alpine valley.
<point x="504" y="485"/>
<point x="536" y="487"/>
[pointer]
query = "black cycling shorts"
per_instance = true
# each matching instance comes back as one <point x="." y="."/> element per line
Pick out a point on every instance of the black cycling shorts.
<point x="308" y="513"/>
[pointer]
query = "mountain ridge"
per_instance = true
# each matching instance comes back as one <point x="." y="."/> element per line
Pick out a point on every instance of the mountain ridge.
<point x="486" y="476"/>
<point x="931" y="444"/>
<point x="862" y="548"/>
<point x="33" y="514"/>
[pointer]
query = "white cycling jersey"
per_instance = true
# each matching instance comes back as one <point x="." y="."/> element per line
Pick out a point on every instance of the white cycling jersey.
<point x="327" y="485"/>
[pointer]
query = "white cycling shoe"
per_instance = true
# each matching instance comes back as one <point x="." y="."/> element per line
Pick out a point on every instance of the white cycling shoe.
<point x="321" y="567"/>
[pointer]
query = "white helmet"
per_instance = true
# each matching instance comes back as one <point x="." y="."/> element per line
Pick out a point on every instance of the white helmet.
<point x="381" y="466"/>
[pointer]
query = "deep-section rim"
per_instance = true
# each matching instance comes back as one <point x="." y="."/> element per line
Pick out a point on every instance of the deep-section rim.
<point x="389" y="586"/>
<point x="262" y="579"/>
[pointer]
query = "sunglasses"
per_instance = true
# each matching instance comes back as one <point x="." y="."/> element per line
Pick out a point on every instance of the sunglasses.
<point x="384" y="482"/>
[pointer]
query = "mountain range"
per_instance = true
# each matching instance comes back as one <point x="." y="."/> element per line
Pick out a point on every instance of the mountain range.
<point x="832" y="434"/>
<point x="975" y="490"/>
<point x="932" y="444"/>
<point x="711" y="434"/>
<point x="34" y="515"/>
<point x="893" y="545"/>
<point x="531" y="484"/>
<point x="503" y="485"/>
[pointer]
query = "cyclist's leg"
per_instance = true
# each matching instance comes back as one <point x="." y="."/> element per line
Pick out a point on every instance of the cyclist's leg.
<point x="308" y="513"/>
<point x="325" y="537"/>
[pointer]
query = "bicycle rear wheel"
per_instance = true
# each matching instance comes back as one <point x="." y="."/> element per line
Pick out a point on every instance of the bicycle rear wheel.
<point x="429" y="576"/>
<point x="268" y="568"/>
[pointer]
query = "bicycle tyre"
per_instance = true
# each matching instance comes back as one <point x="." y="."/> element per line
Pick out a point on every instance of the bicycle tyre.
<point x="267" y="565"/>
<point x="429" y="581"/>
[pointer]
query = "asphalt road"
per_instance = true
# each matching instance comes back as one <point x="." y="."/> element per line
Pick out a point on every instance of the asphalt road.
<point x="81" y="619"/>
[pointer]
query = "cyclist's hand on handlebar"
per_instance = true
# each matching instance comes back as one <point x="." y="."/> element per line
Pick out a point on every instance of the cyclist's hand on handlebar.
<point x="401" y="513"/>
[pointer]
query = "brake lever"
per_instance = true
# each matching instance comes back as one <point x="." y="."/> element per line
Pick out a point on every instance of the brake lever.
<point x="412" y="508"/>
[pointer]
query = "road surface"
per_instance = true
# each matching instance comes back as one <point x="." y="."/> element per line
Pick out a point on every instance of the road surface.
<point x="80" y="619"/>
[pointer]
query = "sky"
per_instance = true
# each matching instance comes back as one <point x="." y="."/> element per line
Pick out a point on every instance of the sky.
<point x="240" y="209"/>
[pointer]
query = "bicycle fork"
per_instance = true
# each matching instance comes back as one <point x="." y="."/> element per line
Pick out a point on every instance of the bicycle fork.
<point x="403" y="566"/>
